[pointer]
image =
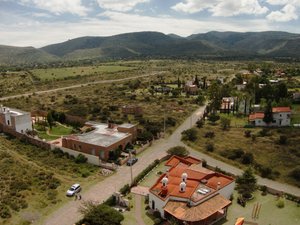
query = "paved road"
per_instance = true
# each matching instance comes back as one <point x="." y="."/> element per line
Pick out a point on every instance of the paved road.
<point x="81" y="85"/>
<point x="68" y="214"/>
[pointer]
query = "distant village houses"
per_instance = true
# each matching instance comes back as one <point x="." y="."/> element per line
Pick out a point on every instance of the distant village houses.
<point x="132" y="110"/>
<point x="281" y="117"/>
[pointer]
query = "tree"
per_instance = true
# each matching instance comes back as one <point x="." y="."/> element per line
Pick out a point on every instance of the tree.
<point x="189" y="135"/>
<point x="179" y="151"/>
<point x="99" y="215"/>
<point x="178" y="83"/>
<point x="200" y="99"/>
<point x="246" y="183"/>
<point x="225" y="123"/>
<point x="50" y="119"/>
<point x="268" y="118"/>
<point x="196" y="82"/>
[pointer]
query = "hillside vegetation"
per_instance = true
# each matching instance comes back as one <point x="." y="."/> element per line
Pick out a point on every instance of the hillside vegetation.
<point x="157" y="45"/>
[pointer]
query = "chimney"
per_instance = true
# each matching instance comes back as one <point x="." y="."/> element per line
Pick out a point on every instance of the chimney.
<point x="219" y="185"/>
<point x="182" y="187"/>
<point x="184" y="177"/>
<point x="165" y="181"/>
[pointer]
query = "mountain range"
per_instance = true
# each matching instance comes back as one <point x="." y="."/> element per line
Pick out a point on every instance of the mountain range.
<point x="141" y="45"/>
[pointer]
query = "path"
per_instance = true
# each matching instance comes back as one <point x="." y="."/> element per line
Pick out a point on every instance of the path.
<point x="138" y="210"/>
<point x="68" y="214"/>
<point x="81" y="85"/>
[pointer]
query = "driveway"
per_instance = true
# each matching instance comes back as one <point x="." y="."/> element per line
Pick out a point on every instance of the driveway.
<point x="68" y="214"/>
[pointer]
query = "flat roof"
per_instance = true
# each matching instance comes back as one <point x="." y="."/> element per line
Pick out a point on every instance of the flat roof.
<point x="101" y="136"/>
<point x="126" y="125"/>
<point x="17" y="112"/>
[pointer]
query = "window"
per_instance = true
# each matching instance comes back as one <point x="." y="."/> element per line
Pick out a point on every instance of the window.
<point x="8" y="122"/>
<point x="153" y="204"/>
<point x="280" y="115"/>
<point x="79" y="146"/>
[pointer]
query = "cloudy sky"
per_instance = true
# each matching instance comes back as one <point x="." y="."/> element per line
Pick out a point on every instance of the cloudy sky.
<point x="41" y="22"/>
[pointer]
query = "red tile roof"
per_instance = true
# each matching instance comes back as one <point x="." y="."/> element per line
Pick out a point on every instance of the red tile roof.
<point x="182" y="211"/>
<point x="258" y="115"/>
<point x="195" y="174"/>
<point x="281" y="109"/>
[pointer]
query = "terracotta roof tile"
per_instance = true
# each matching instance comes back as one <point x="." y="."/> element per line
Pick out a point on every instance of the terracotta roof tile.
<point x="182" y="211"/>
<point x="281" y="109"/>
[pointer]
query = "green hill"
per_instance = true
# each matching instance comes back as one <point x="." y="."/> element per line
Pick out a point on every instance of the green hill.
<point x="23" y="55"/>
<point x="154" y="44"/>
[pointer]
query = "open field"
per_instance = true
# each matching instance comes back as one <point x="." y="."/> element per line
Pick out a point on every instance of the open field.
<point x="270" y="159"/>
<point x="69" y="72"/>
<point x="39" y="187"/>
<point x="269" y="214"/>
<point x="24" y="81"/>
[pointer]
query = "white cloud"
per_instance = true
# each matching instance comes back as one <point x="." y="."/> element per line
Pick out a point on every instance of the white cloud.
<point x="287" y="13"/>
<point x="283" y="2"/>
<point x="222" y="7"/>
<point x="119" y="5"/>
<point x="59" y="6"/>
<point x="193" y="6"/>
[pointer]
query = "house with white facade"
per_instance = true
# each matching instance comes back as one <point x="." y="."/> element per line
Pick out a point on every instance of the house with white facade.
<point x="191" y="193"/>
<point x="18" y="120"/>
<point x="281" y="117"/>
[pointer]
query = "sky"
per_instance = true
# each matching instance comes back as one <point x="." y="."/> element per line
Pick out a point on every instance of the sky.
<point x="41" y="22"/>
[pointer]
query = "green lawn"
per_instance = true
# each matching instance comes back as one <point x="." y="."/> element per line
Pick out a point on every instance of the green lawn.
<point x="61" y="73"/>
<point x="57" y="131"/>
<point x="153" y="176"/>
<point x="269" y="214"/>
<point x="295" y="114"/>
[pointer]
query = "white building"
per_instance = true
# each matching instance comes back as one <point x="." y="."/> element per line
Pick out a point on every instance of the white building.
<point x="18" y="120"/>
<point x="281" y="117"/>
<point x="191" y="193"/>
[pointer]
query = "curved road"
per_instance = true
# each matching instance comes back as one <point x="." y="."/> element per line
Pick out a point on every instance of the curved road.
<point x="68" y="214"/>
<point x="81" y="85"/>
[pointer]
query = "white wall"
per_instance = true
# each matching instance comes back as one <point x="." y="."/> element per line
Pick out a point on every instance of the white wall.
<point x="23" y="122"/>
<point x="159" y="204"/>
<point x="227" y="190"/>
<point x="91" y="159"/>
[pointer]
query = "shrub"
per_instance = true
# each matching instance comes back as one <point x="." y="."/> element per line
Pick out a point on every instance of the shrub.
<point x="80" y="159"/>
<point x="179" y="151"/>
<point x="282" y="140"/>
<point x="280" y="203"/>
<point x="213" y="118"/>
<point x="4" y="212"/>
<point x="247" y="158"/>
<point x="209" y="134"/>
<point x="200" y="123"/>
<point x="210" y="147"/>
<point x="225" y="123"/>
<point x="189" y="135"/>
<point x="125" y="189"/>
<point x="253" y="137"/>
<point x="264" y="132"/>
<point x="111" y="201"/>
<point x="247" y="133"/>
<point x="295" y="174"/>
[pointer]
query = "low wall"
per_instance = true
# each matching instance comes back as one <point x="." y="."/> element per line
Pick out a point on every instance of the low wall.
<point x="24" y="137"/>
<point x="143" y="148"/>
<point x="90" y="158"/>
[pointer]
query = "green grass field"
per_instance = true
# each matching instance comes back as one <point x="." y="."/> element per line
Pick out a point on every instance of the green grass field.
<point x="57" y="131"/>
<point x="269" y="214"/>
<point x="61" y="73"/>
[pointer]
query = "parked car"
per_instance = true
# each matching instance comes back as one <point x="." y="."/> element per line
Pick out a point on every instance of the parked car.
<point x="75" y="188"/>
<point x="131" y="161"/>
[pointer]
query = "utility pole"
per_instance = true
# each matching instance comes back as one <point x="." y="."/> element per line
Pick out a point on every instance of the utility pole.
<point x="131" y="175"/>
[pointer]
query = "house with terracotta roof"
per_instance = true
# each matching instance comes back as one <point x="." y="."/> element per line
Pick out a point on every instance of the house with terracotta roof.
<point x="281" y="117"/>
<point x="191" y="88"/>
<point x="191" y="193"/>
